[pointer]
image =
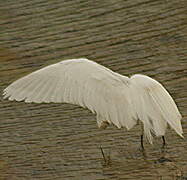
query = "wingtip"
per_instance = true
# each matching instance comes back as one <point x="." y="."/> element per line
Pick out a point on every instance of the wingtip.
<point x="5" y="96"/>
<point x="181" y="136"/>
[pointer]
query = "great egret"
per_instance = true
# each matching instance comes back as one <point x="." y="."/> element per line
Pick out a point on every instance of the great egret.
<point x="116" y="99"/>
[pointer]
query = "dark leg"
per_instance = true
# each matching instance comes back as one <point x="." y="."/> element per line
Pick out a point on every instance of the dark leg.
<point x="143" y="149"/>
<point x="142" y="142"/>
<point x="142" y="146"/>
<point x="102" y="152"/>
<point x="107" y="160"/>
<point x="163" y="159"/>
<point x="164" y="142"/>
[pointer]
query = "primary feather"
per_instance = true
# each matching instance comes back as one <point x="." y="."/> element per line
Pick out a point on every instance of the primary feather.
<point x="116" y="99"/>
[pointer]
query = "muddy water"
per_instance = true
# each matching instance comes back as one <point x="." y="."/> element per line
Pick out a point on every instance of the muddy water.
<point x="62" y="141"/>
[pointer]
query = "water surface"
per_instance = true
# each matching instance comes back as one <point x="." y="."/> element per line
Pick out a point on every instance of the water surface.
<point x="62" y="141"/>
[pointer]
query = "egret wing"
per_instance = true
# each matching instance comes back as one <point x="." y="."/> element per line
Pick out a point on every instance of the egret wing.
<point x="154" y="106"/>
<point x="82" y="82"/>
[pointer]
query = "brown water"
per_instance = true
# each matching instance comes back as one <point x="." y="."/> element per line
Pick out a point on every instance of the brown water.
<point x="62" y="141"/>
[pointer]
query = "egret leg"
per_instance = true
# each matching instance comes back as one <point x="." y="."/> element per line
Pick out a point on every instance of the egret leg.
<point x="164" y="142"/>
<point x="142" y="145"/>
<point x="107" y="159"/>
<point x="143" y="149"/>
<point x="102" y="152"/>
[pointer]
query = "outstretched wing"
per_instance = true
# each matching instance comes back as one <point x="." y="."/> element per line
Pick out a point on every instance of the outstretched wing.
<point x="154" y="106"/>
<point x="82" y="82"/>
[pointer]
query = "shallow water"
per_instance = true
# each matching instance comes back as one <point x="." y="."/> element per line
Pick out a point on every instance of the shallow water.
<point x="62" y="141"/>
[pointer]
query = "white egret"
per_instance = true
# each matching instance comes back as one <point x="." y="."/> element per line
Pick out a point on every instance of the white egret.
<point x="116" y="99"/>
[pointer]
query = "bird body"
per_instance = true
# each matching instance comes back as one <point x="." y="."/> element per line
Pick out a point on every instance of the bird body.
<point x="116" y="99"/>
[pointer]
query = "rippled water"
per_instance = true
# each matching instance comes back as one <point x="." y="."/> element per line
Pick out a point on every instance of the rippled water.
<point x="62" y="141"/>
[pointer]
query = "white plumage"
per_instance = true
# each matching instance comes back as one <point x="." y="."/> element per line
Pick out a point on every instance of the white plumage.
<point x="116" y="99"/>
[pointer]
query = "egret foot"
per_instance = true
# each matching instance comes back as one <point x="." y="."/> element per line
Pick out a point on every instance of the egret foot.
<point x="163" y="160"/>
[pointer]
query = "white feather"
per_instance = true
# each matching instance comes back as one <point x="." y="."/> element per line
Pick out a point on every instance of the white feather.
<point x="114" y="98"/>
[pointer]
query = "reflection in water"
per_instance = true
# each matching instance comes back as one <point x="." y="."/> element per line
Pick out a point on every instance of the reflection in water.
<point x="62" y="141"/>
